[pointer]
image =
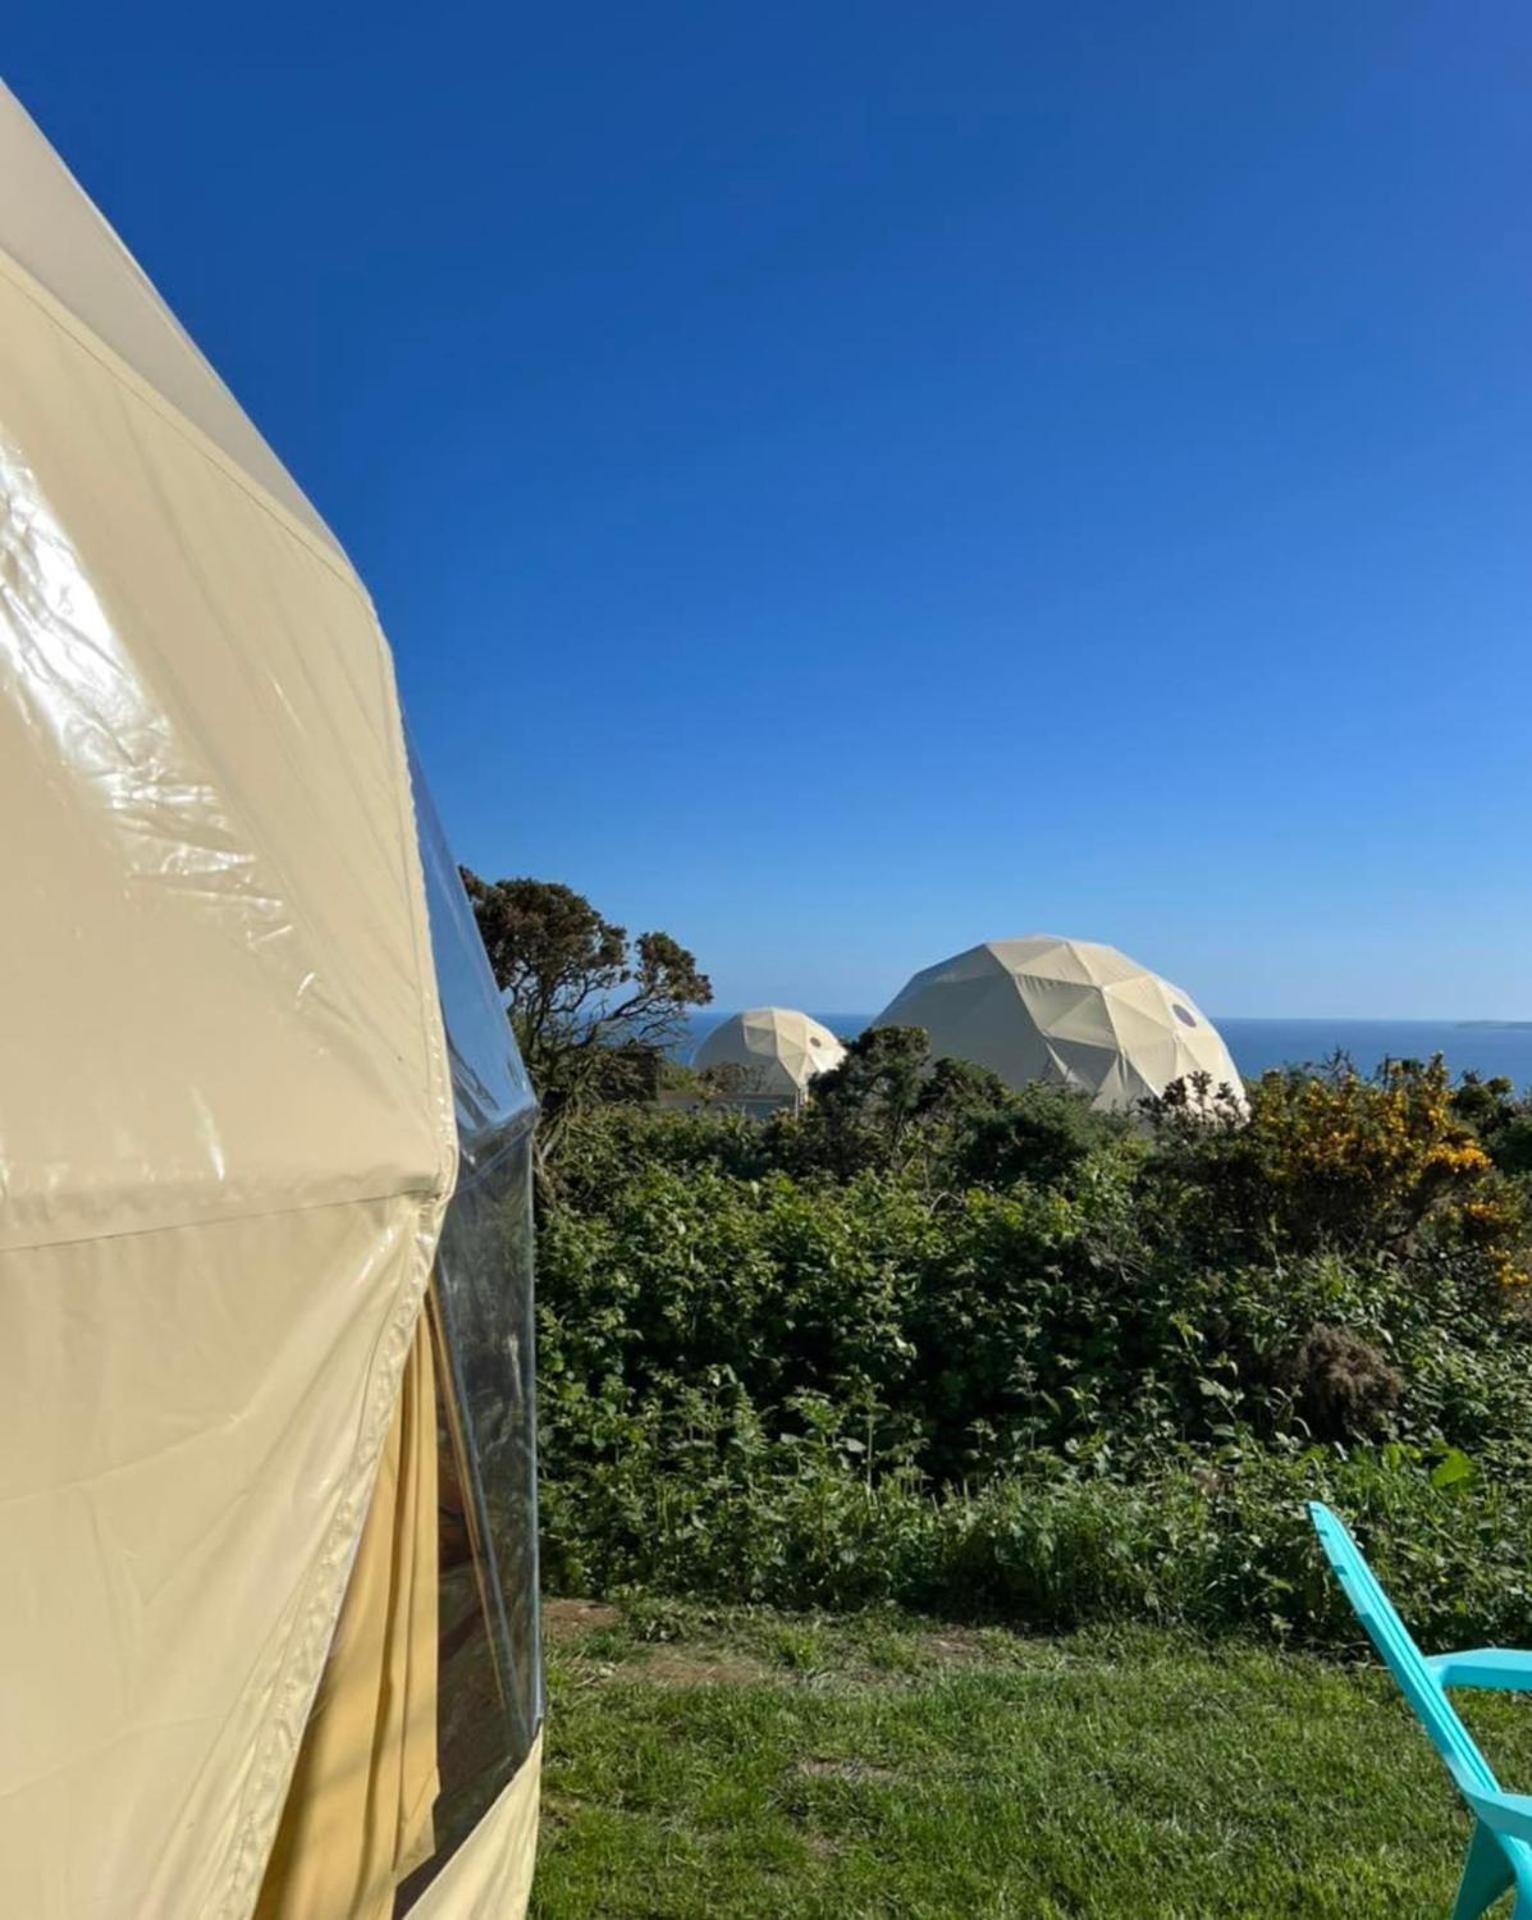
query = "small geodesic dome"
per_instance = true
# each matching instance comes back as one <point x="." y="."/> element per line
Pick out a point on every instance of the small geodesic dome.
<point x="1067" y="1011"/>
<point x="777" y="1050"/>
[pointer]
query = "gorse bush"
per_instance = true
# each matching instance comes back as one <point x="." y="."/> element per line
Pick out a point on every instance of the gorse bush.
<point x="937" y="1343"/>
<point x="1331" y="1160"/>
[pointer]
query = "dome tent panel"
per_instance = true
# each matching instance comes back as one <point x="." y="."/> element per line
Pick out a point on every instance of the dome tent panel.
<point x="1119" y="1086"/>
<point x="1046" y="963"/>
<point x="1101" y="1072"/>
<point x="154" y="1686"/>
<point x="1146" y="1036"/>
<point x="1069" y="1012"/>
<point x="982" y="1026"/>
<point x="49" y="227"/>
<point x="227" y="1121"/>
<point x="1104" y="965"/>
<point x="150" y="722"/>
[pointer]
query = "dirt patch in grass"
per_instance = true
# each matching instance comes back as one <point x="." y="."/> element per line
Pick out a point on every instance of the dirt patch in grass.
<point x="696" y="1667"/>
<point x="608" y="1643"/>
<point x="854" y="1770"/>
<point x="597" y="1643"/>
<point x="953" y="1648"/>
<point x="565" y="1621"/>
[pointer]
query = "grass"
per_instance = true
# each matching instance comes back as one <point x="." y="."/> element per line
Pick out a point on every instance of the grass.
<point x="749" y="1764"/>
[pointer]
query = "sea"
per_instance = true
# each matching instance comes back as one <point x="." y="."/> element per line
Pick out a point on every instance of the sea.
<point x="1485" y="1047"/>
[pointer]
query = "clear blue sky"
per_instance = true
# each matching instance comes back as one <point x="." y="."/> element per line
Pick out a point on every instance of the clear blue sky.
<point x="848" y="480"/>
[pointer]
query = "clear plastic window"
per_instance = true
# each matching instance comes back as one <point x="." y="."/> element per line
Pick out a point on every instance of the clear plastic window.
<point x="490" y="1695"/>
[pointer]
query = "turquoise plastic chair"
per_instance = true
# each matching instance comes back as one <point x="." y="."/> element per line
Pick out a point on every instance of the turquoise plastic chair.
<point x="1500" y="1852"/>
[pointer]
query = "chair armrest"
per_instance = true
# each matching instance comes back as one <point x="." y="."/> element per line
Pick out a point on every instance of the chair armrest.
<point x="1501" y="1667"/>
<point x="1506" y="1814"/>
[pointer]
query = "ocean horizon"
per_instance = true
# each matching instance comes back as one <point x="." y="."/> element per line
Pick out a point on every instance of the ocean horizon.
<point x="1485" y="1047"/>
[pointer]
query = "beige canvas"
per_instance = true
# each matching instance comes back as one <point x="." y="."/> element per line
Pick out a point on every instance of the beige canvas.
<point x="1071" y="1012"/>
<point x="226" y="1119"/>
<point x="358" y="1814"/>
<point x="49" y="226"/>
<point x="490" y="1877"/>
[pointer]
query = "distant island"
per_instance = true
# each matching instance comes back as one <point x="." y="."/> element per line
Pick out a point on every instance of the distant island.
<point x="1500" y="1025"/>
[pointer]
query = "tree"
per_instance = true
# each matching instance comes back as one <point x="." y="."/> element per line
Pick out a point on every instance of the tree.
<point x="887" y="1102"/>
<point x="593" y="1011"/>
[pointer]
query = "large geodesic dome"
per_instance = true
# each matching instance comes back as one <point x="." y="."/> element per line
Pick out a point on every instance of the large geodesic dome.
<point x="778" y="1048"/>
<point x="1068" y="1011"/>
<point x="268" y="1524"/>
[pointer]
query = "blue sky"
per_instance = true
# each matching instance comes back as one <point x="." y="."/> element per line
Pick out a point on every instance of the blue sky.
<point x="844" y="481"/>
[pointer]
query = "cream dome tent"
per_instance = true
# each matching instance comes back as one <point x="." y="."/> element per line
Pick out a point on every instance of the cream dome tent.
<point x="1069" y="1011"/>
<point x="267" y="1485"/>
<point x="777" y="1049"/>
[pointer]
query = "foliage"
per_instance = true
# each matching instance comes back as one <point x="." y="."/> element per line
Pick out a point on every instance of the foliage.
<point x="1330" y="1159"/>
<point x="1041" y="1134"/>
<point x="593" y="1010"/>
<point x="1501" y="1120"/>
<point x="935" y="1342"/>
<point x="709" y="1503"/>
<point x="867" y="1110"/>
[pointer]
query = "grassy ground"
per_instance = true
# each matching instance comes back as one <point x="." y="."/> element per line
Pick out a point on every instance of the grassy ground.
<point x="754" y="1765"/>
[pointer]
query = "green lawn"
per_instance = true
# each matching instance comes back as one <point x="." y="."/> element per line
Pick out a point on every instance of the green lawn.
<point x="748" y="1764"/>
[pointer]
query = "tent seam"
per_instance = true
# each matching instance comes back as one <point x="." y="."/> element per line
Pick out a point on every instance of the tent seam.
<point x="414" y="1191"/>
<point x="90" y="342"/>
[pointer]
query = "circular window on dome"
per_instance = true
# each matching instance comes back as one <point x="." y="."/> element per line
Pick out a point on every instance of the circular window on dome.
<point x="1183" y="1014"/>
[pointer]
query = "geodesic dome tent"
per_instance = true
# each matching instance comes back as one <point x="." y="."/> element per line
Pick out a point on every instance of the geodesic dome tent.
<point x="267" y="1478"/>
<point x="1067" y="1011"/>
<point x="777" y="1050"/>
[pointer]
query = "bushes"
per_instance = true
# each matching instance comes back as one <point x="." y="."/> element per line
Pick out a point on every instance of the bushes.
<point x="987" y="1353"/>
<point x="795" y="1520"/>
<point x="1330" y="1160"/>
<point x="978" y="1326"/>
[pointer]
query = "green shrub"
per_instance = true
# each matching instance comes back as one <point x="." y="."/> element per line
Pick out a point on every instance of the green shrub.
<point x="987" y="1353"/>
<point x="709" y="1504"/>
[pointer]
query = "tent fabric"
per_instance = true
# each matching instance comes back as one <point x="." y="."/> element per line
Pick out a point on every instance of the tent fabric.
<point x="778" y="1049"/>
<point x="357" y="1818"/>
<point x="226" y="1128"/>
<point x="490" y="1876"/>
<point x="219" y="869"/>
<point x="226" y="1121"/>
<point x="231" y="1119"/>
<point x="49" y="226"/>
<point x="189" y="1420"/>
<point x="1072" y="1012"/>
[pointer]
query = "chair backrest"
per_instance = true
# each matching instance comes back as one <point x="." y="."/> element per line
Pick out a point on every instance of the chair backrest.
<point x="1400" y="1654"/>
